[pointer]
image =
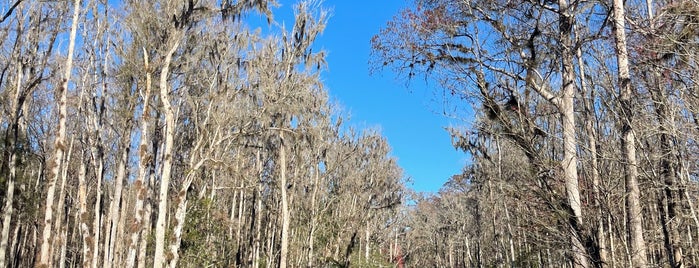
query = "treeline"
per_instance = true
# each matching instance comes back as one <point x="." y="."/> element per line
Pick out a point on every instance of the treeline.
<point x="173" y="133"/>
<point x="584" y="141"/>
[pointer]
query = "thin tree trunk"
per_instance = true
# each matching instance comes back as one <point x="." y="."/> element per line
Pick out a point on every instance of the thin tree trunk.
<point x="61" y="228"/>
<point x="589" y="97"/>
<point x="147" y="215"/>
<point x="570" y="158"/>
<point x="59" y="144"/>
<point x="159" y="257"/>
<point x="83" y="215"/>
<point x="140" y="184"/>
<point x="669" y="168"/>
<point x="121" y="234"/>
<point x="633" y="203"/>
<point x="285" y="205"/>
<point x="181" y="210"/>
<point x="13" y="149"/>
<point x="258" y="217"/>
<point x="180" y="213"/>
<point x="98" y="164"/>
<point x="314" y="220"/>
<point x="114" y="206"/>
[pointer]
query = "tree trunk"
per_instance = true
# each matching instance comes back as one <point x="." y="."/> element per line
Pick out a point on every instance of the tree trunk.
<point x="314" y="217"/>
<point x="83" y="215"/>
<point x="590" y="118"/>
<point x="285" y="205"/>
<point x="633" y="202"/>
<point x="180" y="213"/>
<point x="170" y="120"/>
<point x="62" y="228"/>
<point x="12" y="143"/>
<point x="98" y="165"/>
<point x="140" y="184"/>
<point x="148" y="226"/>
<point x="669" y="171"/>
<point x="59" y="144"/>
<point x="570" y="158"/>
<point x="115" y="205"/>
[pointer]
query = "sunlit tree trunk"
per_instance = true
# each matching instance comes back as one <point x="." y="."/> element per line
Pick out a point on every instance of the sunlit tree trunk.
<point x="633" y="201"/>
<point x="148" y="226"/>
<point x="44" y="258"/>
<point x="669" y="171"/>
<point x="588" y="101"/>
<point x="284" y="202"/>
<point x="170" y="121"/>
<point x="11" y="142"/>
<point x="97" y="150"/>
<point x="114" y="216"/>
<point x="61" y="242"/>
<point x="140" y="184"/>
<point x="570" y="159"/>
<point x="87" y="238"/>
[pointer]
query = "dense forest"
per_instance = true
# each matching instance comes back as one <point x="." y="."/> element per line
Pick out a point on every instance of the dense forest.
<point x="178" y="133"/>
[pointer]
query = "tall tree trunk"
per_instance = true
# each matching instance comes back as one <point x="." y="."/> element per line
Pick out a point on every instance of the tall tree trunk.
<point x="12" y="143"/>
<point x="159" y="257"/>
<point x="115" y="205"/>
<point x="140" y="184"/>
<point x="633" y="202"/>
<point x="83" y="215"/>
<point x="590" y="118"/>
<point x="180" y="213"/>
<point x="120" y="241"/>
<point x="285" y="205"/>
<point x="59" y="144"/>
<point x="669" y="171"/>
<point x="97" y="151"/>
<point x="147" y="212"/>
<point x="181" y="210"/>
<point x="61" y="227"/>
<point x="314" y="217"/>
<point x="567" y="108"/>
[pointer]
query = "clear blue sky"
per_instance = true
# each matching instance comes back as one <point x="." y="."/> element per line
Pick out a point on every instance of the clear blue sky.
<point x="408" y="116"/>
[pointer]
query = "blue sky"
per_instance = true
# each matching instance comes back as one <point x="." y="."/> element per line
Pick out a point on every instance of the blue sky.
<point x="408" y="115"/>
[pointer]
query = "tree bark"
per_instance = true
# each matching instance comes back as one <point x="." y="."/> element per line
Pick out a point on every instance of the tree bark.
<point x="285" y="205"/>
<point x="97" y="151"/>
<point x="11" y="142"/>
<point x="669" y="171"/>
<point x="633" y="202"/>
<point x="140" y="184"/>
<point x="115" y="204"/>
<point x="83" y="215"/>
<point x="44" y="259"/>
<point x="590" y="118"/>
<point x="570" y="158"/>
<point x="170" y="120"/>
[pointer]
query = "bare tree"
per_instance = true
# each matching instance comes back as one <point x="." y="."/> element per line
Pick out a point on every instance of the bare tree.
<point x="60" y="145"/>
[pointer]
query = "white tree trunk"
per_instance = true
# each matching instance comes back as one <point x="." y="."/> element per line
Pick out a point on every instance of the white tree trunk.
<point x="567" y="109"/>
<point x="140" y="185"/>
<point x="9" y="197"/>
<point x="62" y="229"/>
<point x="98" y="165"/>
<point x="82" y="215"/>
<point x="159" y="257"/>
<point x="633" y="203"/>
<point x="285" y="205"/>
<point x="147" y="228"/>
<point x="115" y="204"/>
<point x="59" y="144"/>
<point x="592" y="144"/>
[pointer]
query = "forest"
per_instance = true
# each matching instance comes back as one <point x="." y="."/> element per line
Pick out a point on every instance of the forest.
<point x="178" y="133"/>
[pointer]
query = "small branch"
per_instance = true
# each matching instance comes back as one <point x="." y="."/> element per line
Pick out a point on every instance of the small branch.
<point x="9" y="12"/>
